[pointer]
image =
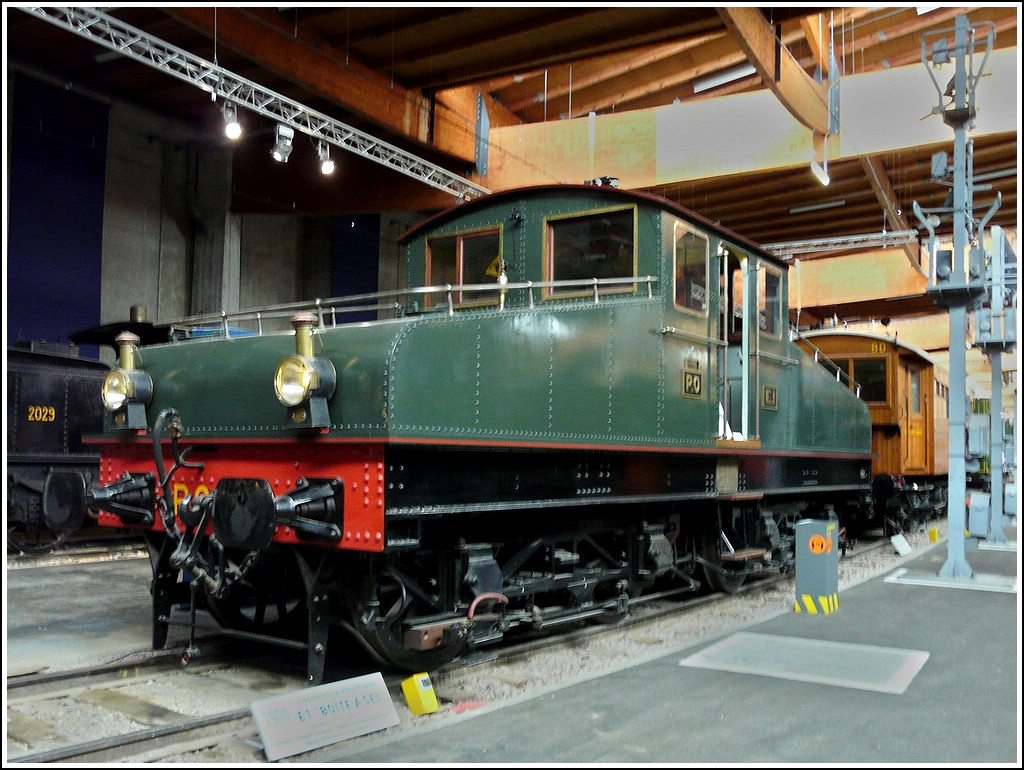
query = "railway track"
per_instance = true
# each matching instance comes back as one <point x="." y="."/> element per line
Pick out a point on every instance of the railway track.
<point x="112" y="712"/>
<point x="148" y="710"/>
<point x="78" y="553"/>
<point x="35" y="702"/>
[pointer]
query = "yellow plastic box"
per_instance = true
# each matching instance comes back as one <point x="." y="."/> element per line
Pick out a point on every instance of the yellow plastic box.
<point x="419" y="694"/>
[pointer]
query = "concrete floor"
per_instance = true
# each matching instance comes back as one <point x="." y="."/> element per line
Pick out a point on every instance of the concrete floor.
<point x="75" y="614"/>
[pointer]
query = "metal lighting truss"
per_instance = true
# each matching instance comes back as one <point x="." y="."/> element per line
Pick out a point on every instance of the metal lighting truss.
<point x="97" y="26"/>
<point x="792" y="248"/>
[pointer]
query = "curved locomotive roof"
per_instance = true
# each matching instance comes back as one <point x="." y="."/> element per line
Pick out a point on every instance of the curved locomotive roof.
<point x="148" y="333"/>
<point x="919" y="352"/>
<point x="612" y="192"/>
<point x="19" y="356"/>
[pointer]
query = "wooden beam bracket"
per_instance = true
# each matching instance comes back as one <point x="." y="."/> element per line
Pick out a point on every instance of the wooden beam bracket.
<point x="806" y="99"/>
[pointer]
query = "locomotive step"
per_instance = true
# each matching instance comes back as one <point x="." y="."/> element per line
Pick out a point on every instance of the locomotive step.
<point x="745" y="555"/>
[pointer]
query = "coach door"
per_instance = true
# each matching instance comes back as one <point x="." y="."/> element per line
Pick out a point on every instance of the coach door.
<point x="737" y="362"/>
<point x="915" y="410"/>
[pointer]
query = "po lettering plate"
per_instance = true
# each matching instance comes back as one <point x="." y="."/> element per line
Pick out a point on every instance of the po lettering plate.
<point x="310" y="719"/>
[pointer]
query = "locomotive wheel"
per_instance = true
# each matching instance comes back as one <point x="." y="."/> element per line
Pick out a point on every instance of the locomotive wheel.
<point x="26" y="528"/>
<point x="23" y="538"/>
<point x="398" y="607"/>
<point x="270" y="600"/>
<point x="725" y="579"/>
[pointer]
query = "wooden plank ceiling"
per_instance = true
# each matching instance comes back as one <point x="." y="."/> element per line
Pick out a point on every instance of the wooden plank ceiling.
<point x="410" y="75"/>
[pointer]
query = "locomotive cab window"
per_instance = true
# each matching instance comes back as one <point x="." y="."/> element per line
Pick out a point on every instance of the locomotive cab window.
<point x="769" y="302"/>
<point x="691" y="271"/>
<point x="601" y="245"/>
<point x="461" y="259"/>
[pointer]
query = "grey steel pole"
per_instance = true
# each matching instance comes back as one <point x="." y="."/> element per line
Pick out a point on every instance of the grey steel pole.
<point x="995" y="530"/>
<point x="956" y="564"/>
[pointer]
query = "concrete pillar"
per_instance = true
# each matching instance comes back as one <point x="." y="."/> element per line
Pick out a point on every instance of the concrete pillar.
<point x="216" y="253"/>
<point x="131" y="218"/>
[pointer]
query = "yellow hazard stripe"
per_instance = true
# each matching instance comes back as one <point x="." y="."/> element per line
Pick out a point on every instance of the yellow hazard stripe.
<point x="826" y="605"/>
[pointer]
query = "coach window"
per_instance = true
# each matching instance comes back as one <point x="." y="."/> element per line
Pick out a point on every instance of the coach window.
<point x="601" y="245"/>
<point x="915" y="391"/>
<point x="870" y="375"/>
<point x="691" y="271"/>
<point x="769" y="301"/>
<point x="942" y="394"/>
<point x="830" y="365"/>
<point x="466" y="258"/>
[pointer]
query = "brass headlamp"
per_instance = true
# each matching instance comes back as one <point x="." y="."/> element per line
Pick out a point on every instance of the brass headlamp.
<point x="304" y="382"/>
<point x="127" y="390"/>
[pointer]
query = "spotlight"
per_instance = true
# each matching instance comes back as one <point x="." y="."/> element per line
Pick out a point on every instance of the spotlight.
<point x="323" y="154"/>
<point x="820" y="172"/>
<point x="232" y="128"/>
<point x="283" y="143"/>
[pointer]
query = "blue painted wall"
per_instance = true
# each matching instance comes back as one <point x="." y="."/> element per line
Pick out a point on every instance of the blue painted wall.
<point x="355" y="252"/>
<point x="55" y="202"/>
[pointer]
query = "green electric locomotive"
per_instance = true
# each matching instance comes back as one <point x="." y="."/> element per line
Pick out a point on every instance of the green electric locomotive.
<point x="582" y="393"/>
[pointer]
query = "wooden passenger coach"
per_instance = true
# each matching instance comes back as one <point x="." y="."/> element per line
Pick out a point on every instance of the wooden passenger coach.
<point x="907" y="394"/>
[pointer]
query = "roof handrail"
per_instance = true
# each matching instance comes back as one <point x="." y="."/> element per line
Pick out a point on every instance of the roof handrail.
<point x="397" y="301"/>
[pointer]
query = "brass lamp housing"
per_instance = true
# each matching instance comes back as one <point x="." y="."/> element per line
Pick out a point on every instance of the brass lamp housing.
<point x="127" y="390"/>
<point x="304" y="382"/>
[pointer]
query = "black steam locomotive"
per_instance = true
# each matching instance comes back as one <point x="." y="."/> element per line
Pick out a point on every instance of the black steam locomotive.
<point x="51" y="404"/>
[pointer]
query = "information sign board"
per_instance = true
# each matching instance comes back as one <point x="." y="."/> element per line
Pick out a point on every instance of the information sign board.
<point x="310" y="719"/>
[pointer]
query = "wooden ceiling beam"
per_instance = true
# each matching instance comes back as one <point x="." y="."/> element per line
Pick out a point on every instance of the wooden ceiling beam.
<point x="815" y="30"/>
<point x="869" y="276"/>
<point x="856" y="41"/>
<point x="900" y="53"/>
<point x="397" y="25"/>
<point x="458" y="47"/>
<point x="806" y="99"/>
<point x="743" y="134"/>
<point x="455" y="104"/>
<point x="594" y="71"/>
<point x="311" y="63"/>
<point x="672" y="72"/>
<point x="670" y="78"/>
<point x="879" y="180"/>
<point x="609" y="31"/>
<point x="780" y="190"/>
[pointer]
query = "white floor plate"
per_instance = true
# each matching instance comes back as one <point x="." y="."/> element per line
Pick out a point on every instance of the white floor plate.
<point x="978" y="582"/>
<point x="858" y="666"/>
